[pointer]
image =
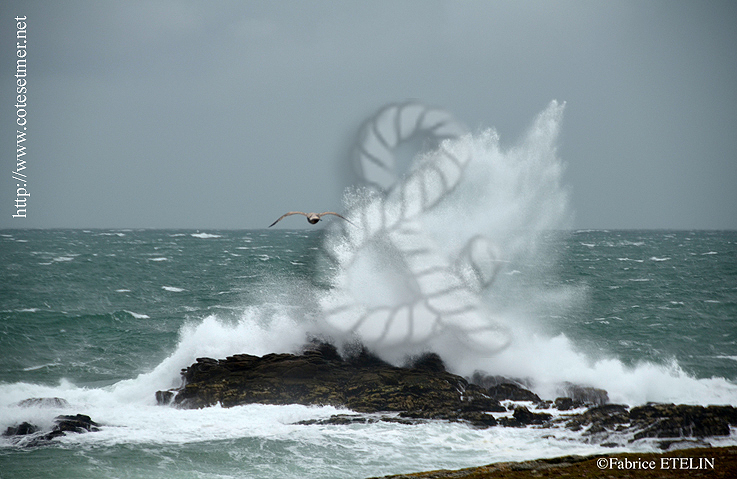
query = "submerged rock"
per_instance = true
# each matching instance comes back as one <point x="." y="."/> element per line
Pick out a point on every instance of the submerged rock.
<point x="524" y="417"/>
<point x="22" y="429"/>
<point x="28" y="435"/>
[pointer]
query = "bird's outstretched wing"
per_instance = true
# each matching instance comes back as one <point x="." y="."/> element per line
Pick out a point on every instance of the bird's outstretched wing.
<point x="285" y="215"/>
<point x="334" y="214"/>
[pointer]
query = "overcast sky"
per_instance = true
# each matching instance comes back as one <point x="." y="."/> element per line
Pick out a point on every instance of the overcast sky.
<point x="173" y="114"/>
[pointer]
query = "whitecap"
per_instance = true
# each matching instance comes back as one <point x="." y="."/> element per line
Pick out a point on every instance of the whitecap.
<point x="138" y="315"/>
<point x="205" y="235"/>
<point x="41" y="366"/>
<point x="655" y="258"/>
<point x="173" y="289"/>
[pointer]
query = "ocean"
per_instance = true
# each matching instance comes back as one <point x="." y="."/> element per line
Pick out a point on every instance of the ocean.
<point x="103" y="319"/>
<point x="469" y="255"/>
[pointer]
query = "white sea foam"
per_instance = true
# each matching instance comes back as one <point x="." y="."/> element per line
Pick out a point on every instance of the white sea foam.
<point x="549" y="362"/>
<point x="205" y="235"/>
<point x="172" y="289"/>
<point x="367" y="449"/>
<point x="62" y="259"/>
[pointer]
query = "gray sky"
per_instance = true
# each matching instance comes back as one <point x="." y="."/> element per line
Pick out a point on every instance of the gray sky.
<point x="168" y="114"/>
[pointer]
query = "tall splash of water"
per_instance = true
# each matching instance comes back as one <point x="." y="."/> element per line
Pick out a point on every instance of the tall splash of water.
<point x="428" y="263"/>
<point x="416" y="269"/>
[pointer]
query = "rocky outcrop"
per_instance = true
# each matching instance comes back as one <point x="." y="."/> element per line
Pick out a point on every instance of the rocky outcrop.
<point x="673" y="421"/>
<point x="28" y="435"/>
<point x="424" y="390"/>
<point x="321" y="376"/>
<point x="614" y="424"/>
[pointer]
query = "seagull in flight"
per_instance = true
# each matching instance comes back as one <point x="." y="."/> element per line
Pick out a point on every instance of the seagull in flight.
<point x="312" y="218"/>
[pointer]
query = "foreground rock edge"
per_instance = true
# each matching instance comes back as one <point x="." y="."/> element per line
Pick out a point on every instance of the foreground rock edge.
<point x="696" y="465"/>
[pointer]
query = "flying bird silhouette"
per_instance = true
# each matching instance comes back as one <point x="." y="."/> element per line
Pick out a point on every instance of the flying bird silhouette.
<point x="312" y="218"/>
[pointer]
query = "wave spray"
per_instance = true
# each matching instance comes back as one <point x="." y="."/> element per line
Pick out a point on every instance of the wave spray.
<point x="432" y="260"/>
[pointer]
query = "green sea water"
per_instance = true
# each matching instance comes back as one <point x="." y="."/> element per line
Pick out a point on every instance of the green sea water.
<point x="104" y="318"/>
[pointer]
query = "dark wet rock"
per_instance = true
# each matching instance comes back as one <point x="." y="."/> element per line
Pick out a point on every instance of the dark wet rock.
<point x="564" y="404"/>
<point x="340" y="420"/>
<point x="22" y="429"/>
<point x="480" y="419"/>
<point x="53" y="402"/>
<point x="524" y="417"/>
<point x="669" y="420"/>
<point x="487" y="381"/>
<point x="584" y="395"/>
<point x="79" y="423"/>
<point x="507" y="391"/>
<point x="319" y="376"/>
<point x="429" y="362"/>
<point x="347" y="419"/>
<point x="600" y="418"/>
<point x="663" y="421"/>
<point x="28" y="435"/>
<point x="164" y="398"/>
